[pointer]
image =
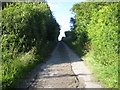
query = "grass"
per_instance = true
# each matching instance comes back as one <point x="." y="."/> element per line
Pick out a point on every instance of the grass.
<point x="107" y="75"/>
<point x="0" y="77"/>
<point x="15" y="69"/>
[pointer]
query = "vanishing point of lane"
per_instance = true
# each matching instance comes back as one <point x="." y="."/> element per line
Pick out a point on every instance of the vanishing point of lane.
<point x="56" y="72"/>
<point x="63" y="69"/>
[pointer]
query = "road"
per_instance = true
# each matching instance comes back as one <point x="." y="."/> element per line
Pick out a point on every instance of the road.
<point x="63" y="69"/>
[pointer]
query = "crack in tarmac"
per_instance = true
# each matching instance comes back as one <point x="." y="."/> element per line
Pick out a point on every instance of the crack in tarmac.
<point x="63" y="69"/>
<point x="55" y="73"/>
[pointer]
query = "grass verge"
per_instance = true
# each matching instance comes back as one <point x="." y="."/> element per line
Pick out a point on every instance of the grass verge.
<point x="14" y="70"/>
<point x="107" y="75"/>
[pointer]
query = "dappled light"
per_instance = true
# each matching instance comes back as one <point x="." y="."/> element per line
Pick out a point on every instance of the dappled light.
<point x="59" y="44"/>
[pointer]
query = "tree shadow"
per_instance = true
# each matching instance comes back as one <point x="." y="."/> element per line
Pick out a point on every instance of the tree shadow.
<point x="62" y="54"/>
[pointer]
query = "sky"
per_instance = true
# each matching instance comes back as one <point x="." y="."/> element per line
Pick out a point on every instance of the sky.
<point x="62" y="12"/>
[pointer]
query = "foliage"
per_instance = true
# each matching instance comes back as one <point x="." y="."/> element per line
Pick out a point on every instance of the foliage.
<point x="103" y="32"/>
<point x="25" y="26"/>
<point x="96" y="27"/>
<point x="108" y="75"/>
<point x="70" y="36"/>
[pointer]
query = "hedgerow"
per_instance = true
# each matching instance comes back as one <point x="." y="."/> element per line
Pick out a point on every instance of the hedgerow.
<point x="29" y="32"/>
<point x="96" y="28"/>
<point x="103" y="32"/>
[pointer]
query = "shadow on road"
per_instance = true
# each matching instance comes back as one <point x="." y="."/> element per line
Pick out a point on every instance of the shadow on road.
<point x="62" y="54"/>
<point x="56" y="72"/>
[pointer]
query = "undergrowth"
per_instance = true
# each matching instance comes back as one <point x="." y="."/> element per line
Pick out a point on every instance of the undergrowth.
<point x="29" y="31"/>
<point x="14" y="70"/>
<point x="107" y="75"/>
<point x="95" y="27"/>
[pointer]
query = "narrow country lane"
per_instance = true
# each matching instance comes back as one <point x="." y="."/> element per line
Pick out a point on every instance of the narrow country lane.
<point x="59" y="71"/>
<point x="59" y="44"/>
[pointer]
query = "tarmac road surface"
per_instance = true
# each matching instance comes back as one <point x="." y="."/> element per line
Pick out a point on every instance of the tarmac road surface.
<point x="63" y="69"/>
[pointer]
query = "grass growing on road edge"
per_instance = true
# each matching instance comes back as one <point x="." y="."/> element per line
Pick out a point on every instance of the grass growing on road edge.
<point x="107" y="75"/>
<point x="95" y="27"/>
<point x="0" y="76"/>
<point x="16" y="69"/>
<point x="25" y="25"/>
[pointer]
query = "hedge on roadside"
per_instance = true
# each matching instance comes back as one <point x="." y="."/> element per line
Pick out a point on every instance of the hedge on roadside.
<point x="29" y="31"/>
<point x="96" y="27"/>
<point x="103" y="32"/>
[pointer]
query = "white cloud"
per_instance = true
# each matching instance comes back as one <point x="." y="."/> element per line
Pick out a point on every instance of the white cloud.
<point x="52" y="6"/>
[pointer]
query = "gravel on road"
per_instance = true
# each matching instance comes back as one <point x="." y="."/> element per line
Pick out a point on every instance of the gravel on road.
<point x="63" y="69"/>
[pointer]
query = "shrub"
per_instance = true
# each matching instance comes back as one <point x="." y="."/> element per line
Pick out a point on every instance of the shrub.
<point x="29" y="32"/>
<point x="96" y="28"/>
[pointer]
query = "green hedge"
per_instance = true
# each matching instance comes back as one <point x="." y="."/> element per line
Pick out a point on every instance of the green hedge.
<point x="29" y="31"/>
<point x="96" y="27"/>
<point x="103" y="32"/>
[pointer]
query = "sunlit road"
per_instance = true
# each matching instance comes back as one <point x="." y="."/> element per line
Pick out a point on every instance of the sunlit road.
<point x="63" y="69"/>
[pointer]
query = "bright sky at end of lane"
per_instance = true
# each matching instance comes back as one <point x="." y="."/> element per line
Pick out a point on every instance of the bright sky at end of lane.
<point x="62" y="12"/>
<point x="65" y="1"/>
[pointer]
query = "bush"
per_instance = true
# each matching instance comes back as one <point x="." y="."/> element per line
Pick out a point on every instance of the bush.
<point x="96" y="28"/>
<point x="29" y="32"/>
<point x="103" y="32"/>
